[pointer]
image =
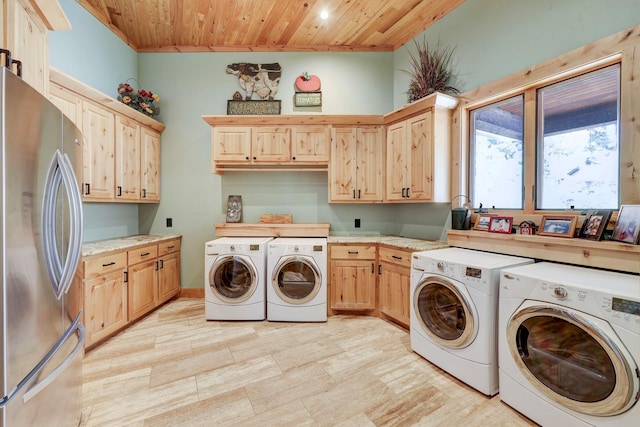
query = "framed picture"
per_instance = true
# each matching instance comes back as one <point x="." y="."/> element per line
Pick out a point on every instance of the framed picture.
<point x="482" y="222"/>
<point x="500" y="224"/>
<point x="628" y="224"/>
<point x="594" y="225"/>
<point x="557" y="225"/>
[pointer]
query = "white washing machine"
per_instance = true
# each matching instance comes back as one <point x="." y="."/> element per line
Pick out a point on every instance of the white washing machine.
<point x="454" y="306"/>
<point x="297" y="271"/>
<point x="235" y="278"/>
<point x="569" y="345"/>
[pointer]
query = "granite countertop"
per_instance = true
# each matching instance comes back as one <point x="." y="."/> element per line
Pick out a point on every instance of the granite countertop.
<point x="397" y="241"/>
<point x="110" y="245"/>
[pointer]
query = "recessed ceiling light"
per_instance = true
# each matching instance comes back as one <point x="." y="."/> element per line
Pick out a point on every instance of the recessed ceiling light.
<point x="324" y="14"/>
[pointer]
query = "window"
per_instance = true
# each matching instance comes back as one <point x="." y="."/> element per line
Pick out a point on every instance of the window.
<point x="497" y="135"/>
<point x="578" y="151"/>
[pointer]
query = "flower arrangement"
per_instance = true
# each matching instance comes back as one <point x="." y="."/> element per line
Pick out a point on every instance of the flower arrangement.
<point x="141" y="100"/>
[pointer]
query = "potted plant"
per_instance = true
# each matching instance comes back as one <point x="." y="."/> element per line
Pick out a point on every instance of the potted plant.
<point x="431" y="71"/>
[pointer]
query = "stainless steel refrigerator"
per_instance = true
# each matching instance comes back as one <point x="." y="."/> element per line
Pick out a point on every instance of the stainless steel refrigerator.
<point x="41" y="236"/>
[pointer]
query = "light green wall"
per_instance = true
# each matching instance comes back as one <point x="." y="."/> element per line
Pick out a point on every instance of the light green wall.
<point x="494" y="38"/>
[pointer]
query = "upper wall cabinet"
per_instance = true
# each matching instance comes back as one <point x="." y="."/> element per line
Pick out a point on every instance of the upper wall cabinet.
<point x="418" y="151"/>
<point x="120" y="159"/>
<point x="356" y="170"/>
<point x="273" y="143"/>
<point x="24" y="31"/>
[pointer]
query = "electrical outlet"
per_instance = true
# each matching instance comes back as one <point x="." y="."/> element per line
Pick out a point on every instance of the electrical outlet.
<point x="169" y="222"/>
<point x="357" y="223"/>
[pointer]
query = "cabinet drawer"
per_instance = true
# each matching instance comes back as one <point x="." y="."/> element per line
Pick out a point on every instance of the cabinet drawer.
<point x="395" y="256"/>
<point x="144" y="253"/>
<point x="168" y="247"/>
<point x="353" y="252"/>
<point x="98" y="266"/>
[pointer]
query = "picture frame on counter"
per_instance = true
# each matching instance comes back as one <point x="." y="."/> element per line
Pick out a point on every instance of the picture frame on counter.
<point x="627" y="228"/>
<point x="500" y="224"/>
<point x="557" y="226"/>
<point x="595" y="224"/>
<point x="482" y="222"/>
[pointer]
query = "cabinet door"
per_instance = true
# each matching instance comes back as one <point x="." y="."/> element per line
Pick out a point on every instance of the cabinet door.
<point x="353" y="284"/>
<point x="370" y="160"/>
<point x="270" y="144"/>
<point x="396" y="161"/>
<point x="420" y="157"/>
<point x="27" y="39"/>
<point x="168" y="276"/>
<point x="230" y="144"/>
<point x="342" y="167"/>
<point x="98" y="162"/>
<point x="143" y="288"/>
<point x="310" y="144"/>
<point x="105" y="305"/>
<point x="67" y="102"/>
<point x="127" y="159"/>
<point x="150" y="165"/>
<point x="394" y="292"/>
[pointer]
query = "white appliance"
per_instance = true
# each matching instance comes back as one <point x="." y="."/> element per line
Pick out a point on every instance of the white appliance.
<point x="569" y="345"/>
<point x="235" y="278"/>
<point x="297" y="289"/>
<point x="454" y="306"/>
<point x="41" y="243"/>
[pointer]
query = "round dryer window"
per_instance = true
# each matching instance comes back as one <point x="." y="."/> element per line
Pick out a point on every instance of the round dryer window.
<point x="233" y="278"/>
<point x="445" y="314"/>
<point x="296" y="279"/>
<point x="572" y="360"/>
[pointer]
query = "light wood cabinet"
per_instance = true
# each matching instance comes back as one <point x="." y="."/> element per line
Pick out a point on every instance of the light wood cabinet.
<point x="310" y="144"/>
<point x="98" y="152"/>
<point x="120" y="159"/>
<point x="104" y="292"/>
<point x="356" y="165"/>
<point x="127" y="159"/>
<point x="120" y="287"/>
<point x="418" y="151"/>
<point x="251" y="145"/>
<point x="352" y="277"/>
<point x="394" y="283"/>
<point x="168" y="270"/>
<point x="150" y="165"/>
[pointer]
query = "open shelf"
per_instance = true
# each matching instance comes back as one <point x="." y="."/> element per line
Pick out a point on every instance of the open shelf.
<point x="605" y="254"/>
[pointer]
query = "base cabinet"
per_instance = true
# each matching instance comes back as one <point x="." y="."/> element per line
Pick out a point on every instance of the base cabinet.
<point x="120" y="287"/>
<point x="353" y="277"/>
<point x="394" y="283"/>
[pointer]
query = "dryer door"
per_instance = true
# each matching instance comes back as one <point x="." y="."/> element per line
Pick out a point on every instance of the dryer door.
<point x="296" y="279"/>
<point x="233" y="278"/>
<point x="573" y="358"/>
<point x="445" y="312"/>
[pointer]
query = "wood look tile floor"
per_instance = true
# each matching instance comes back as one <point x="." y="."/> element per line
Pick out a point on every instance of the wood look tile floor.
<point x="174" y="368"/>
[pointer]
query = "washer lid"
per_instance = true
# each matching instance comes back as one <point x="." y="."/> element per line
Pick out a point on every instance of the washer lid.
<point x="296" y="279"/>
<point x="233" y="278"/>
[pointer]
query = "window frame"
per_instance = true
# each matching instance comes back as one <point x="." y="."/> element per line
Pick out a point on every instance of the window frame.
<point x="527" y="83"/>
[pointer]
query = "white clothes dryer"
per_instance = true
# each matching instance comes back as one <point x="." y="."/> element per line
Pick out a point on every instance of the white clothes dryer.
<point x="235" y="278"/>
<point x="297" y="271"/>
<point x="569" y="345"/>
<point x="454" y="304"/>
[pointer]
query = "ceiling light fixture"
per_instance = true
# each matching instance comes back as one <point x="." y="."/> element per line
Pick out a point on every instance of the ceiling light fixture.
<point x="324" y="14"/>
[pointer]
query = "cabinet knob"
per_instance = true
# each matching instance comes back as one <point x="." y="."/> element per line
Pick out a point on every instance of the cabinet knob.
<point x="293" y="158"/>
<point x="247" y="158"/>
<point x="254" y="157"/>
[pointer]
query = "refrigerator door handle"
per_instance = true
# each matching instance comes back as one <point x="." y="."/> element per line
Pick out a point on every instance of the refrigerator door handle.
<point x="75" y="328"/>
<point x="61" y="172"/>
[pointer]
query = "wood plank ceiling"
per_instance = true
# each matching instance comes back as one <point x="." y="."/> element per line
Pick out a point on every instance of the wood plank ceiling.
<point x="267" y="25"/>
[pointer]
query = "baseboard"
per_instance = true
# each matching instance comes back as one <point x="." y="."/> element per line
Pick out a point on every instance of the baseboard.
<point x="191" y="293"/>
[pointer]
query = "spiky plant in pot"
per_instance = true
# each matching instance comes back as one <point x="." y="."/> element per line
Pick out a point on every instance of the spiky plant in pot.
<point x="430" y="71"/>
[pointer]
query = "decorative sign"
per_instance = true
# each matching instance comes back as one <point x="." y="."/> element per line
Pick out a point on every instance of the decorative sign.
<point x="253" y="107"/>
<point x="308" y="99"/>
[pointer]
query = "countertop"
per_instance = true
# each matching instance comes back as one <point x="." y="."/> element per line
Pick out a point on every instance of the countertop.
<point x="110" y="245"/>
<point x="399" y="242"/>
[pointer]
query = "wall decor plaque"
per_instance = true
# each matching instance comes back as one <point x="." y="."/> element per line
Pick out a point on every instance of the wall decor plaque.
<point x="234" y="209"/>
<point x="253" y="107"/>
<point x="308" y="99"/>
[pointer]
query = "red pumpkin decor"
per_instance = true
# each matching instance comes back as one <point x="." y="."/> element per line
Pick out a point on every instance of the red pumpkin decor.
<point x="308" y="83"/>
